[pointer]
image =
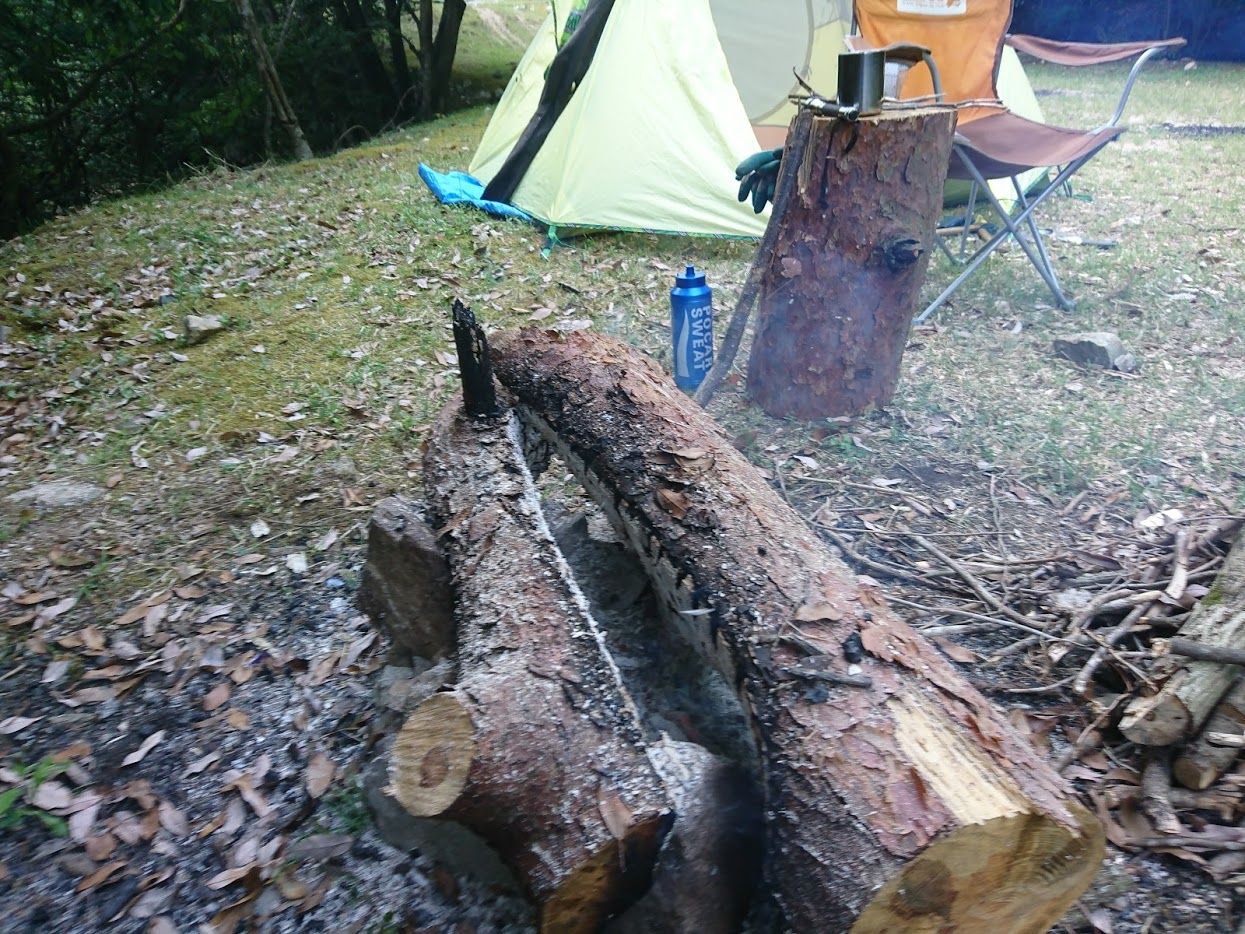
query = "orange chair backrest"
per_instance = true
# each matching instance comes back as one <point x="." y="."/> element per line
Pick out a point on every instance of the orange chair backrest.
<point x="965" y="37"/>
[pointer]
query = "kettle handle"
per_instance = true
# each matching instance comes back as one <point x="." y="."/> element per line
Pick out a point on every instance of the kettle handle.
<point x="914" y="54"/>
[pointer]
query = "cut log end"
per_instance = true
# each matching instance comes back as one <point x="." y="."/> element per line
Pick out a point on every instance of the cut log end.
<point x="1017" y="873"/>
<point x="432" y="756"/>
<point x="1157" y="721"/>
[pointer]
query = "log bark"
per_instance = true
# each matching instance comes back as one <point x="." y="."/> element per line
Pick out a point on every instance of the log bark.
<point x="405" y="585"/>
<point x="1187" y="698"/>
<point x="1201" y="762"/>
<point x="908" y="805"/>
<point x="538" y="749"/>
<point x="845" y="275"/>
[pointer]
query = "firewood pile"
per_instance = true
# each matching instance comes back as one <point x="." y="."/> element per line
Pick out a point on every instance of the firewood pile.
<point x="1137" y="655"/>
<point x="893" y="794"/>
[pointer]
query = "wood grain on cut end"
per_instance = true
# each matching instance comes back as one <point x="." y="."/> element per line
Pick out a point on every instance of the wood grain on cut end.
<point x="432" y="756"/>
<point x="1159" y="720"/>
<point x="1015" y="874"/>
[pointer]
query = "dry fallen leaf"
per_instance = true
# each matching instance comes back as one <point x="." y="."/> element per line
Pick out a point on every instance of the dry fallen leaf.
<point x="614" y="812"/>
<point x="11" y="725"/>
<point x="216" y="697"/>
<point x="229" y="876"/>
<point x="956" y="652"/>
<point x="173" y="820"/>
<point x="320" y="771"/>
<point x="147" y="745"/>
<point x="101" y="846"/>
<point x="238" y="719"/>
<point x="51" y="796"/>
<point x="99" y="876"/>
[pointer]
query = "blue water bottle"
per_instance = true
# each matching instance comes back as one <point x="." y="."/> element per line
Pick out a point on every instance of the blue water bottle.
<point x="691" y="328"/>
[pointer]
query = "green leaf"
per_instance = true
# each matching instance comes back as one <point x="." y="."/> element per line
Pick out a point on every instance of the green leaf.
<point x="53" y="823"/>
<point x="7" y="799"/>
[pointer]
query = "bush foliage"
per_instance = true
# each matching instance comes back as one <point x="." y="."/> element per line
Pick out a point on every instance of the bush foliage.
<point x="103" y="96"/>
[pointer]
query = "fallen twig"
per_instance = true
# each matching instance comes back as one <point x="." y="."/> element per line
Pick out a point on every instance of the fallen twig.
<point x="965" y="575"/>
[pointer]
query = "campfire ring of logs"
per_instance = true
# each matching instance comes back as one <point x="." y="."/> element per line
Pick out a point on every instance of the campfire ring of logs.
<point x="895" y="796"/>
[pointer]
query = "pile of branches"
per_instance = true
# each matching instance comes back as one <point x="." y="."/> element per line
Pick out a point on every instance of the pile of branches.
<point x="1137" y="654"/>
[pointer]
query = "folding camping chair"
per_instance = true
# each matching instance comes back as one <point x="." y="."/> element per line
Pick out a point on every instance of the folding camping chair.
<point x="966" y="39"/>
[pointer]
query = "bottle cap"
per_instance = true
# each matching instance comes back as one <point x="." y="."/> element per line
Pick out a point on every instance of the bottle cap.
<point x="689" y="278"/>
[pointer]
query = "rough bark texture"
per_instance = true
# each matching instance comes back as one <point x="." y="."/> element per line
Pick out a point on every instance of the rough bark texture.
<point x="1201" y="762"/>
<point x="910" y="805"/>
<point x="538" y="749"/>
<point x="845" y="274"/>
<point x="405" y="585"/>
<point x="1196" y="687"/>
<point x="281" y="107"/>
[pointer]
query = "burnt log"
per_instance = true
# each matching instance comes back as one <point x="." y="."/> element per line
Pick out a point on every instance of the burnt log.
<point x="538" y="748"/>
<point x="909" y="804"/>
<point x="842" y="282"/>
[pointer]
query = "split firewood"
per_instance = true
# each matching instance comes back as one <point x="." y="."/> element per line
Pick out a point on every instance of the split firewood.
<point x="1228" y="655"/>
<point x="1203" y="760"/>
<point x="538" y="749"/>
<point x="1180" y="708"/>
<point x="910" y="804"/>
<point x="1156" y="793"/>
<point x="405" y="585"/>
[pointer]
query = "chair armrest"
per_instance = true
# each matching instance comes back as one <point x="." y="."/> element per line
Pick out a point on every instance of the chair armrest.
<point x="1085" y="53"/>
<point x="1092" y="53"/>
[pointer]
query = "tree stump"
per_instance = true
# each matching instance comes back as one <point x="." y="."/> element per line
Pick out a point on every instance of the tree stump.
<point x="897" y="797"/>
<point x="845" y="275"/>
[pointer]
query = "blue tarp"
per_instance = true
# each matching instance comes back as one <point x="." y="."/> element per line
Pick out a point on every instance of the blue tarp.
<point x="1215" y="28"/>
<point x="461" y="188"/>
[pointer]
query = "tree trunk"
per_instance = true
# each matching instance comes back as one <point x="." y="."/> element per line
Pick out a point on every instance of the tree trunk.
<point x="1196" y="687"/>
<point x="271" y="81"/>
<point x="539" y="748"/>
<point x="842" y="283"/>
<point x="426" y="59"/>
<point x="397" y="51"/>
<point x="907" y="804"/>
<point x="358" y="28"/>
<point x="444" y="49"/>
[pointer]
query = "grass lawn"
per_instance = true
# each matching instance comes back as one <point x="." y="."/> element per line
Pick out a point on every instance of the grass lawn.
<point x="334" y="280"/>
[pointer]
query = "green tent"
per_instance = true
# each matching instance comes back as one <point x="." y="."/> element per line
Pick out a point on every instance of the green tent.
<point x="668" y="99"/>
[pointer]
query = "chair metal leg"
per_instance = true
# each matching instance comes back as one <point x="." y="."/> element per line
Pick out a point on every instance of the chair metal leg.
<point x="1012" y="228"/>
<point x="969" y="213"/>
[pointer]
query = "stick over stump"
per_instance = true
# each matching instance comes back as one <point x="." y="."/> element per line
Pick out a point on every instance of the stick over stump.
<point x="538" y="749"/>
<point x="908" y="804"/>
<point x="845" y="274"/>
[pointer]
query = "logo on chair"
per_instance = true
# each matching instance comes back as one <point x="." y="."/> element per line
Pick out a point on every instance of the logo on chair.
<point x="933" y="7"/>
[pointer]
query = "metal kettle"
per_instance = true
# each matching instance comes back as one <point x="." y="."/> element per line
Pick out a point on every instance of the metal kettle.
<point x="862" y="74"/>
